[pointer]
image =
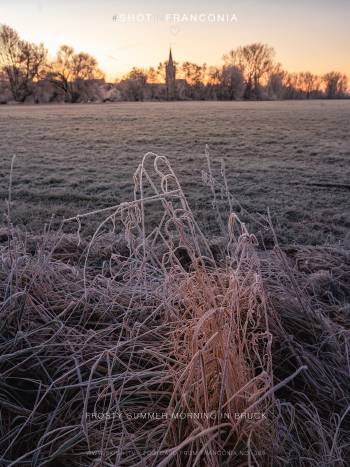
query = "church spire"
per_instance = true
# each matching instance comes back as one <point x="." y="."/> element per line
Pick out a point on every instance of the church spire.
<point x="170" y="61"/>
<point x="170" y="77"/>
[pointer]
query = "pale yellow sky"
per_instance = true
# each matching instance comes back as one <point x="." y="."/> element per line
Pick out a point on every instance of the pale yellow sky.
<point x="307" y="35"/>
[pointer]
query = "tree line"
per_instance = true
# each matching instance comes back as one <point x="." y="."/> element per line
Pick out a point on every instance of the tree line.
<point x="27" y="74"/>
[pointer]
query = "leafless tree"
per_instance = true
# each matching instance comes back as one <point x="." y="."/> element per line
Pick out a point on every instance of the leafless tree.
<point x="152" y="80"/>
<point x="21" y="61"/>
<point x="194" y="74"/>
<point x="195" y="77"/>
<point x="70" y="70"/>
<point x="275" y="82"/>
<point x="226" y="82"/>
<point x="255" y="61"/>
<point x="213" y="82"/>
<point x="232" y="81"/>
<point x="292" y="86"/>
<point x="310" y="83"/>
<point x="152" y="75"/>
<point x="139" y="74"/>
<point x="133" y="84"/>
<point x="214" y="75"/>
<point x="161" y="71"/>
<point x="336" y="84"/>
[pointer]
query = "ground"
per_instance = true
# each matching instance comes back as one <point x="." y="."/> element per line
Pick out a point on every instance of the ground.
<point x="289" y="157"/>
<point x="180" y="322"/>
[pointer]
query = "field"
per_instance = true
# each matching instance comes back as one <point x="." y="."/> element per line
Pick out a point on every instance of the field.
<point x="290" y="157"/>
<point x="186" y="326"/>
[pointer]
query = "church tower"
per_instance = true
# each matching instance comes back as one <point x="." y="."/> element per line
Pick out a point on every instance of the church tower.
<point x="170" y="78"/>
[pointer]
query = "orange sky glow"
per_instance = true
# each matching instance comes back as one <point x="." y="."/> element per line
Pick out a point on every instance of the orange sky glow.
<point x="307" y="36"/>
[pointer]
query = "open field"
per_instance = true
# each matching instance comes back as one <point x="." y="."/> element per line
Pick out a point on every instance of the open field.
<point x="290" y="157"/>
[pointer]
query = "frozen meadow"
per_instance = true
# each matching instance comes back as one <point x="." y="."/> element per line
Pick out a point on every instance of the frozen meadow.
<point x="289" y="157"/>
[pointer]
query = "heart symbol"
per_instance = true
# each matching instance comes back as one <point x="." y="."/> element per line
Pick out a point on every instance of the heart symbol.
<point x="174" y="30"/>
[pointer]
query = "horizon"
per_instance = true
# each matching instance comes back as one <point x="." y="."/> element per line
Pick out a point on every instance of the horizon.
<point x="311" y="37"/>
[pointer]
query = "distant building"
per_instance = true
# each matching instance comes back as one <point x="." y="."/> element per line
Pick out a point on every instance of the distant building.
<point x="170" y="78"/>
<point x="138" y="90"/>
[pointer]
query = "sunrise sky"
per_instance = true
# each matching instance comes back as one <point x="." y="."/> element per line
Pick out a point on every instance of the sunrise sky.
<point x="308" y="35"/>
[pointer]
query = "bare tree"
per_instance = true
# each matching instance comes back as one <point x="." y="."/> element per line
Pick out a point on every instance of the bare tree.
<point x="255" y="61"/>
<point x="139" y="74"/>
<point x="225" y="83"/>
<point x="292" y="86"/>
<point x="152" y="75"/>
<point x="275" y="82"/>
<point x="213" y="83"/>
<point x="161" y="71"/>
<point x="70" y="70"/>
<point x="214" y="75"/>
<point x="195" y="76"/>
<point x="5" y="92"/>
<point x="310" y="83"/>
<point x="133" y="84"/>
<point x="336" y="85"/>
<point x="21" y="61"/>
<point x="232" y="81"/>
<point x="152" y="81"/>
